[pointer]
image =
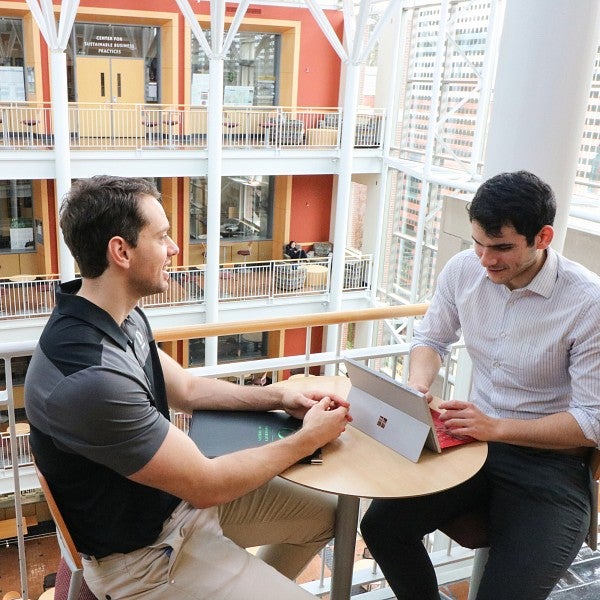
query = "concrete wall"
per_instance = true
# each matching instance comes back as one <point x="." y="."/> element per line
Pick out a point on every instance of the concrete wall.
<point x="582" y="242"/>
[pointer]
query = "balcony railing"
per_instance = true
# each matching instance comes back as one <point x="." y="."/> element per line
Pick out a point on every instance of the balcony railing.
<point x="31" y="296"/>
<point x="23" y="451"/>
<point x="451" y="561"/>
<point x="29" y="125"/>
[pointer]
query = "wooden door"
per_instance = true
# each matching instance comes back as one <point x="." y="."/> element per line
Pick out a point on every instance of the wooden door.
<point x="102" y="83"/>
<point x="127" y="87"/>
<point x="93" y="96"/>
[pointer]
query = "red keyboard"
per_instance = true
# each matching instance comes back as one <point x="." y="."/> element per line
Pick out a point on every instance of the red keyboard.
<point x="445" y="438"/>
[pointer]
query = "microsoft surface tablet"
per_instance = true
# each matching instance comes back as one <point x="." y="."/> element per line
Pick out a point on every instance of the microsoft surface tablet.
<point x="395" y="414"/>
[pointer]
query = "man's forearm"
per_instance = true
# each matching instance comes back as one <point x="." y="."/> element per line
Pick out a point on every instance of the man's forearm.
<point x="210" y="394"/>
<point x="557" y="431"/>
<point x="424" y="365"/>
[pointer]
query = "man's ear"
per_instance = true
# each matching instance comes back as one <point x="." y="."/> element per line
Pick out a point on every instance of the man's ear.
<point x="545" y="237"/>
<point x="117" y="252"/>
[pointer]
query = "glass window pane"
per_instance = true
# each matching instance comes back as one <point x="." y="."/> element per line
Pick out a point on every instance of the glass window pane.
<point x="12" y="77"/>
<point x="251" y="62"/>
<point x="246" y="208"/>
<point x="16" y="215"/>
<point x="230" y="348"/>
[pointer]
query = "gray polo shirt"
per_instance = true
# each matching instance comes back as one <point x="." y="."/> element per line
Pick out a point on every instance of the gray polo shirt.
<point x="96" y="401"/>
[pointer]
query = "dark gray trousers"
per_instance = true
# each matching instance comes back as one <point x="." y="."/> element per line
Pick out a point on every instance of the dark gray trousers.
<point x="537" y="504"/>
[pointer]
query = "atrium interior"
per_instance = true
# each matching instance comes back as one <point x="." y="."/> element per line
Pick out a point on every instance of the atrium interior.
<point x="358" y="129"/>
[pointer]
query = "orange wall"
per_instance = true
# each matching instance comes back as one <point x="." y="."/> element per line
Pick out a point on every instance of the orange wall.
<point x="319" y="76"/>
<point x="319" y="73"/>
<point x="157" y="5"/>
<point x="295" y="344"/>
<point x="311" y="208"/>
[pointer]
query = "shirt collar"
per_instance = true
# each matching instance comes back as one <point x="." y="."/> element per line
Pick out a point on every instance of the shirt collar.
<point x="543" y="283"/>
<point x="69" y="304"/>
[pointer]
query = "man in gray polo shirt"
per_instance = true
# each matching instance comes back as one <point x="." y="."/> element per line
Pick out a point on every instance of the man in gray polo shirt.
<point x="144" y="506"/>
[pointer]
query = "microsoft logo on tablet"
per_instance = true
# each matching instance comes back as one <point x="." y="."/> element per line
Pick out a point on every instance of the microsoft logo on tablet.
<point x="381" y="422"/>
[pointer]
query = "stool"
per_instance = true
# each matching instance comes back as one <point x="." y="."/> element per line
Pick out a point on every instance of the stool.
<point x="150" y="123"/>
<point x="470" y="531"/>
<point x="228" y="137"/>
<point x="170" y="120"/>
<point x="244" y="253"/>
<point x="30" y="124"/>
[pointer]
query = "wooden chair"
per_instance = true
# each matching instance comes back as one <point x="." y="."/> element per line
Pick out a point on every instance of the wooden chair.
<point x="77" y="590"/>
<point x="469" y="530"/>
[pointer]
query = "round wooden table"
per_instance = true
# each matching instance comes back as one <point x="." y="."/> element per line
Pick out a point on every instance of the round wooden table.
<point x="356" y="466"/>
<point x="316" y="276"/>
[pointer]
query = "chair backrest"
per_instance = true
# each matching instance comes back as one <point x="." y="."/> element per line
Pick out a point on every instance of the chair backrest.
<point x="65" y="541"/>
<point x="69" y="546"/>
<point x="322" y="248"/>
<point x="595" y="463"/>
<point x="592" y="536"/>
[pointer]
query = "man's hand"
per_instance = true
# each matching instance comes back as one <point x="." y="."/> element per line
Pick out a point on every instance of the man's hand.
<point x="326" y="420"/>
<point x="297" y="403"/>
<point x="423" y="389"/>
<point x="463" y="418"/>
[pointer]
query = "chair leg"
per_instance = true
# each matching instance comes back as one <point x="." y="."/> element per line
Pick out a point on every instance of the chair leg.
<point x="75" y="584"/>
<point x="479" y="562"/>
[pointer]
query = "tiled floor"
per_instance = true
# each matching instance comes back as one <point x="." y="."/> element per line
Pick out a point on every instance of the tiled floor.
<point x="42" y="555"/>
<point x="582" y="581"/>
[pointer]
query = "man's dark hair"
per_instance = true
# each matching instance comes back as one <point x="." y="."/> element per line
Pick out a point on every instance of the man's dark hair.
<point x="97" y="209"/>
<point x="520" y="199"/>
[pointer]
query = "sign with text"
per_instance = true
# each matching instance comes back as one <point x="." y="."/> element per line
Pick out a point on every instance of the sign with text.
<point x="110" y="45"/>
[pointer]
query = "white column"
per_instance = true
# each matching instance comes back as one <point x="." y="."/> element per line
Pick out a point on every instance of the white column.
<point x="62" y="150"/>
<point x="342" y="202"/>
<point x="213" y="209"/>
<point x="545" y="64"/>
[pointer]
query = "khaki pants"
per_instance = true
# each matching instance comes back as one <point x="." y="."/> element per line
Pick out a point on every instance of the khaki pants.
<point x="193" y="559"/>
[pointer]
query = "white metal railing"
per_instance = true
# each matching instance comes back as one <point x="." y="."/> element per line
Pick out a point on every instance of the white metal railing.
<point x="116" y="126"/>
<point x="24" y="456"/>
<point x="27" y="296"/>
<point x="33" y="296"/>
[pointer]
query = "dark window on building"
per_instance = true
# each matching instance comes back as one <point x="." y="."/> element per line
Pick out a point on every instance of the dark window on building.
<point x="16" y="216"/>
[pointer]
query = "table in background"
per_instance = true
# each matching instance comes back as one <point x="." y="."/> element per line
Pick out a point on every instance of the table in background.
<point x="316" y="276"/>
<point x="8" y="527"/>
<point x="356" y="466"/>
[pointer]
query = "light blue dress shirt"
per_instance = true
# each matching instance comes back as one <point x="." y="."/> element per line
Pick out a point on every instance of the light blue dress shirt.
<point x="535" y="350"/>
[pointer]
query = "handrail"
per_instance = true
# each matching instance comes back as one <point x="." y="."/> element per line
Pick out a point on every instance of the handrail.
<point x="31" y="296"/>
<point x="126" y="126"/>
<point x="294" y="322"/>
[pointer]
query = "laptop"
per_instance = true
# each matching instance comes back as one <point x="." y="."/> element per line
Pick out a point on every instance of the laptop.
<point x="395" y="414"/>
<point x="218" y="432"/>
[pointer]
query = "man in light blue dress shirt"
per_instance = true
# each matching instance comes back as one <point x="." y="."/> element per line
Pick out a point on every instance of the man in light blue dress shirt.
<point x="530" y="319"/>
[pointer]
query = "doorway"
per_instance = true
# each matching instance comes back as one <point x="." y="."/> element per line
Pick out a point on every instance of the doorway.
<point x="103" y="82"/>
